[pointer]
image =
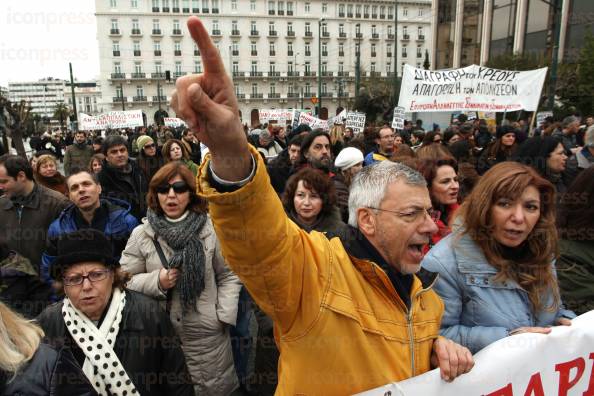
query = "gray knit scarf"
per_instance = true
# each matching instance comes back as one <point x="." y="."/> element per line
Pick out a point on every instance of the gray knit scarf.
<point x="188" y="253"/>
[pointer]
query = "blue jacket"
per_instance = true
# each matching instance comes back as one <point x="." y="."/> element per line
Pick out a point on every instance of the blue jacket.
<point x="373" y="157"/>
<point x="118" y="227"/>
<point x="478" y="310"/>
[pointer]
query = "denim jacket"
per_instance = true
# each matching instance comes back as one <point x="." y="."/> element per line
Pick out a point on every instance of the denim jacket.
<point x="479" y="310"/>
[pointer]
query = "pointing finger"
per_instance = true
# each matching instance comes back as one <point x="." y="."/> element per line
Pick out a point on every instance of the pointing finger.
<point x="208" y="51"/>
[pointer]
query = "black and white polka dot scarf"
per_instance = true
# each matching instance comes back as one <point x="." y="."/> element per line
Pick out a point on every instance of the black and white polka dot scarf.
<point x="102" y="367"/>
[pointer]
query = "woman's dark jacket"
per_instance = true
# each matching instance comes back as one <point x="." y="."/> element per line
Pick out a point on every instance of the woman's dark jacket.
<point x="51" y="371"/>
<point x="146" y="345"/>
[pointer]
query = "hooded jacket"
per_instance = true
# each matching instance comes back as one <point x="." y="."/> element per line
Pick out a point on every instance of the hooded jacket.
<point x="340" y="324"/>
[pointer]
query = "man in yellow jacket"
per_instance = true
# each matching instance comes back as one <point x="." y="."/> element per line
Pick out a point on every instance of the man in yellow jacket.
<point x="351" y="312"/>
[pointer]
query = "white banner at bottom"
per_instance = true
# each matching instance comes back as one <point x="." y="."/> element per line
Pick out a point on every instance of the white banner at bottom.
<point x="558" y="363"/>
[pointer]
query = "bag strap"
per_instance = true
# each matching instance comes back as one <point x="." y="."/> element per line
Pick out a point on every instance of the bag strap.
<point x="165" y="264"/>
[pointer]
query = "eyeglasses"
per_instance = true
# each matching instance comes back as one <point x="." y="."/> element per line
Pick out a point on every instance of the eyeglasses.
<point x="179" y="187"/>
<point x="149" y="146"/>
<point x="413" y="215"/>
<point x="94" y="276"/>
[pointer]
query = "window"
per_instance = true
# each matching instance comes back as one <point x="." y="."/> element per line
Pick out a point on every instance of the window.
<point x="373" y="53"/>
<point x="324" y="49"/>
<point x="186" y="5"/>
<point x="290" y="90"/>
<point x="341" y="10"/>
<point x="158" y="67"/>
<point x="195" y="6"/>
<point x="374" y="12"/>
<point x="340" y="67"/>
<point x="405" y="30"/>
<point x="139" y="91"/>
<point x="307" y="29"/>
<point x="389" y="49"/>
<point x="405" y="11"/>
<point x="420" y="32"/>
<point x="119" y="92"/>
<point x="233" y="5"/>
<point x="289" y="26"/>
<point x="254" y="48"/>
<point x="113" y="3"/>
<point x="272" y="88"/>
<point x="390" y="30"/>
<point x="272" y="67"/>
<point x="252" y="5"/>
<point x="358" y="11"/>
<point x="324" y="67"/>
<point x="271" y="29"/>
<point x="254" y="89"/>
<point x="307" y="89"/>
<point x="137" y="67"/>
<point x="271" y="7"/>
<point x="253" y="26"/>
<point x="324" y="88"/>
<point x="373" y="30"/>
<point x="289" y="8"/>
<point x="235" y="67"/>
<point x="156" y="24"/>
<point x="290" y="49"/>
<point x="341" y="29"/>
<point x="281" y="7"/>
<point x="156" y="46"/>
<point x="404" y="51"/>
<point x="177" y="46"/>
<point x="176" y="25"/>
<point x="235" y="48"/>
<point x="420" y="11"/>
<point x="340" y="49"/>
<point x="382" y="12"/>
<point x="349" y="10"/>
<point x="237" y="91"/>
<point x="324" y="8"/>
<point x="271" y="48"/>
<point x="307" y="67"/>
<point x="290" y="67"/>
<point x="372" y="67"/>
<point x="205" y="7"/>
<point x="215" y="6"/>
<point x="215" y="27"/>
<point x="155" y="5"/>
<point x="419" y="51"/>
<point x="357" y="29"/>
<point x="165" y="5"/>
<point x="117" y="68"/>
<point x="178" y="68"/>
<point x="114" y="24"/>
<point x="196" y="50"/>
<point x="175" y="5"/>
<point x="135" y="26"/>
<point x="307" y="49"/>
<point x="134" y="4"/>
<point x="307" y="8"/>
<point x="136" y="47"/>
<point x="234" y="26"/>
<point x="366" y="11"/>
<point x="388" y="67"/>
<point x="254" y="67"/>
<point x="197" y="67"/>
<point x="116" y="47"/>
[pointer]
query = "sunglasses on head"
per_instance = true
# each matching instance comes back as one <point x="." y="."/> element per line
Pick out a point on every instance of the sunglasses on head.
<point x="148" y="146"/>
<point x="179" y="187"/>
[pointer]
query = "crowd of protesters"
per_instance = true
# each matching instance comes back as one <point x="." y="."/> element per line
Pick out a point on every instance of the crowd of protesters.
<point x="152" y="269"/>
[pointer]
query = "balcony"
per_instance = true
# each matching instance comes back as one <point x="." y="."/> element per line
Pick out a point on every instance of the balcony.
<point x="138" y="76"/>
<point x="342" y="74"/>
<point x="357" y="15"/>
<point x="340" y="53"/>
<point x="273" y="95"/>
<point x="280" y="12"/>
<point x="390" y="16"/>
<point x="373" y="16"/>
<point x="256" y="74"/>
<point x="373" y="54"/>
<point x="404" y="55"/>
<point x="235" y="32"/>
<point x="196" y="52"/>
<point x="136" y="32"/>
<point x="216" y="32"/>
<point x="254" y="53"/>
<point x="257" y="96"/>
<point x="290" y="33"/>
<point x="342" y="35"/>
<point x="405" y="37"/>
<point x="308" y="34"/>
<point x="186" y="10"/>
<point x="177" y="52"/>
<point x="240" y="96"/>
<point x="118" y="76"/>
<point x="382" y="16"/>
<point x="419" y="55"/>
<point x="157" y="52"/>
<point x="374" y="36"/>
<point x="375" y="74"/>
<point x="137" y="53"/>
<point x="349" y="14"/>
<point x="359" y="35"/>
<point x="116" y="53"/>
<point x="254" y="33"/>
<point x="205" y="10"/>
<point x="175" y="9"/>
<point x="161" y="98"/>
<point x="165" y="9"/>
<point x="158" y="75"/>
<point x="341" y="14"/>
<point x="326" y="34"/>
<point x="324" y="53"/>
<point x="238" y="74"/>
<point x="114" y="32"/>
<point x="272" y="33"/>
<point x="327" y="73"/>
<point x="270" y="12"/>
<point x="155" y="9"/>
<point x="176" y="32"/>
<point x="292" y="94"/>
<point x="309" y="74"/>
<point x="272" y="53"/>
<point x="119" y="99"/>
<point x="215" y="10"/>
<point x="235" y="53"/>
<point x="156" y="32"/>
<point x="273" y="74"/>
<point x="139" y="99"/>
<point x="391" y="36"/>
<point x="389" y="55"/>
<point x="289" y="12"/>
<point x="421" y="37"/>
<point x="366" y="15"/>
<point x="292" y="74"/>
<point x="326" y="94"/>
<point x="307" y="53"/>
<point x="195" y="10"/>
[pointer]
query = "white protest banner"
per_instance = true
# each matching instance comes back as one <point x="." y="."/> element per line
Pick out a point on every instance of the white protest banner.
<point x="398" y="120"/>
<point x="541" y="115"/>
<point x="472" y="88"/>
<point x="112" y="119"/>
<point x="313" y="122"/>
<point x="281" y="115"/>
<point x="558" y="363"/>
<point x="338" y="119"/>
<point x="173" y="122"/>
<point x="356" y="121"/>
<point x="88" y="123"/>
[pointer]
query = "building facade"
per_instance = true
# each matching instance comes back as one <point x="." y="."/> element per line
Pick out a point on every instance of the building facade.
<point x="473" y="31"/>
<point x="42" y="95"/>
<point x="273" y="50"/>
<point x="88" y="97"/>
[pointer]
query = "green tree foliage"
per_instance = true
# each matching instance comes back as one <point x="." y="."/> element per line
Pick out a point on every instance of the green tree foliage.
<point x="575" y="87"/>
<point x="61" y="113"/>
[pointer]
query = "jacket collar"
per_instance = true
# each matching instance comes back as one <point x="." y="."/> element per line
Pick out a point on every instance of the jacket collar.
<point x="32" y="201"/>
<point x="469" y="256"/>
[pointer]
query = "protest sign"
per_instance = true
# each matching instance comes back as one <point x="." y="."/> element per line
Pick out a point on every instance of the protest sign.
<point x="173" y="122"/>
<point x="525" y="364"/>
<point x="281" y="115"/>
<point x="398" y="120"/>
<point x="112" y="119"/>
<point x="356" y="121"/>
<point x="313" y="122"/>
<point x="472" y="88"/>
<point x="541" y="115"/>
<point x="338" y="119"/>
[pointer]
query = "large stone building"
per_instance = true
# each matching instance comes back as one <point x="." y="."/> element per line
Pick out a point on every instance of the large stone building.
<point x="42" y="95"/>
<point x="272" y="49"/>
<point x="88" y="97"/>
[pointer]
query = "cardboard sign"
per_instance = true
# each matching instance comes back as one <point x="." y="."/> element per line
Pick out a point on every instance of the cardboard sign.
<point x="356" y="121"/>
<point x="541" y="115"/>
<point x="281" y="115"/>
<point x="173" y="122"/>
<point x="398" y="120"/>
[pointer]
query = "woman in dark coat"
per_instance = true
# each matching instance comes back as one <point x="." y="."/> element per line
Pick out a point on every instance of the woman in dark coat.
<point x="499" y="150"/>
<point x="149" y="158"/>
<point x="547" y="156"/>
<point x="47" y="174"/>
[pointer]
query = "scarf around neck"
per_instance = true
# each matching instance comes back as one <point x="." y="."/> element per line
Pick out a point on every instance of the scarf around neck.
<point x="188" y="252"/>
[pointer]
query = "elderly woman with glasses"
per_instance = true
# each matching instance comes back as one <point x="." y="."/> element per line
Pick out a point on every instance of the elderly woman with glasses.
<point x="123" y="340"/>
<point x="175" y="257"/>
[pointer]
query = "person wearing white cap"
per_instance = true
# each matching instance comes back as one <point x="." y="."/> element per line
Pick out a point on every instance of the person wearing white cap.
<point x="348" y="163"/>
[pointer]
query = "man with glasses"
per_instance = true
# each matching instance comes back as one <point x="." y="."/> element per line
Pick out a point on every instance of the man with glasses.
<point x="110" y="216"/>
<point x="385" y="146"/>
<point x="351" y="313"/>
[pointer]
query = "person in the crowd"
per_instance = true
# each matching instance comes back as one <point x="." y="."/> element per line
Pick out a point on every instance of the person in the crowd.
<point x="316" y="151"/>
<point x="97" y="145"/>
<point x="451" y="135"/>
<point x="348" y="135"/>
<point x="575" y="265"/>
<point x="432" y="151"/>
<point x="302" y="280"/>
<point x="348" y="163"/>
<point x="482" y="135"/>
<point x="567" y="133"/>
<point x="384" y="146"/>
<point x="88" y="210"/>
<point x="27" y="209"/>
<point x="496" y="274"/>
<point x="149" y="158"/>
<point x="310" y="201"/>
<point x="280" y="136"/>
<point x="467" y="174"/>
<point x="96" y="163"/>
<point x="192" y="145"/>
<point x="337" y="138"/>
<point x="585" y="155"/>
<point x="47" y="174"/>
<point x="174" y="150"/>
<point x="442" y="180"/>
<point x="280" y="168"/>
<point x="174" y="256"/>
<point x="547" y="156"/>
<point x="499" y="150"/>
<point x="32" y="368"/>
<point x="403" y="151"/>
<point x="430" y="138"/>
<point x="133" y="148"/>
<point x="267" y="145"/>
<point x="78" y="154"/>
<point x="398" y="140"/>
<point x="121" y="178"/>
<point x="107" y="326"/>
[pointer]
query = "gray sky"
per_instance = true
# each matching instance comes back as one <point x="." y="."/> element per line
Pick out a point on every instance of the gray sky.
<point x="39" y="37"/>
